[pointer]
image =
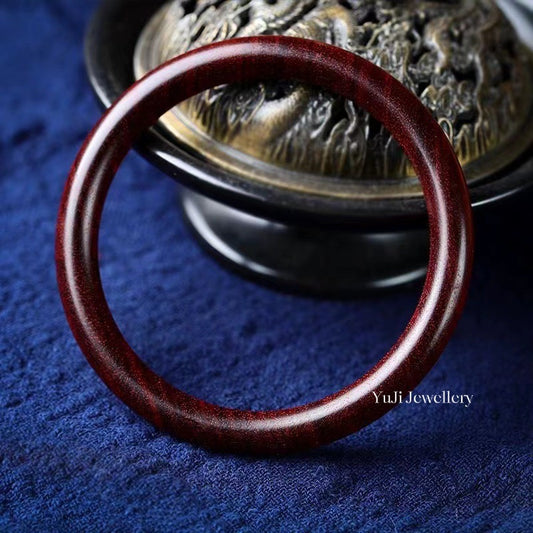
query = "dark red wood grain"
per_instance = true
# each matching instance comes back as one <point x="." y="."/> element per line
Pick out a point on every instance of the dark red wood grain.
<point x="401" y="369"/>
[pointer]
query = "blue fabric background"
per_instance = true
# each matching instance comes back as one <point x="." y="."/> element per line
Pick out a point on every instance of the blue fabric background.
<point x="73" y="458"/>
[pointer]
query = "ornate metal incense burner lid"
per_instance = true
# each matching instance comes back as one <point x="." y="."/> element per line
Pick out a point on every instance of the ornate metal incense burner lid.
<point x="462" y="58"/>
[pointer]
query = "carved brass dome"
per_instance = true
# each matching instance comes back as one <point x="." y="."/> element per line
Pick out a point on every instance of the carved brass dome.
<point x="462" y="58"/>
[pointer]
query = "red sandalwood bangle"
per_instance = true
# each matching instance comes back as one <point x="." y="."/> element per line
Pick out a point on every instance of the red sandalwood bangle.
<point x="402" y="368"/>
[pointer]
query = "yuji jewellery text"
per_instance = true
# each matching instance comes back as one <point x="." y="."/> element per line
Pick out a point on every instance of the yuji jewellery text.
<point x="444" y="397"/>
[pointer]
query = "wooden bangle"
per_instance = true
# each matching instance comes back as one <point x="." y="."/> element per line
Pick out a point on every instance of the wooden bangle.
<point x="248" y="60"/>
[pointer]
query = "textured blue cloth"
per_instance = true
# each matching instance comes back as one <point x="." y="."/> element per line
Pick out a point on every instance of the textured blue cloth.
<point x="74" y="458"/>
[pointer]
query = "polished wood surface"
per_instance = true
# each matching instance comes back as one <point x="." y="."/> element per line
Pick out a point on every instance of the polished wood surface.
<point x="401" y="369"/>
